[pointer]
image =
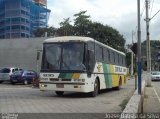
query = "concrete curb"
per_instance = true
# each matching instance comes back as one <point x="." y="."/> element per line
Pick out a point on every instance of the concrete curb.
<point x="135" y="104"/>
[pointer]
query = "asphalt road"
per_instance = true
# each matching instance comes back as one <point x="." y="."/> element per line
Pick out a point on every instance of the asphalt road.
<point x="25" y="99"/>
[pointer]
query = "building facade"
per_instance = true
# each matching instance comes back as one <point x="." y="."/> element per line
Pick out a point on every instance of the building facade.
<point x="20" y="18"/>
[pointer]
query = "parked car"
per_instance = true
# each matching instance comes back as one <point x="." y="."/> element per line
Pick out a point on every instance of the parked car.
<point x="24" y="76"/>
<point x="5" y="73"/>
<point x="155" y="75"/>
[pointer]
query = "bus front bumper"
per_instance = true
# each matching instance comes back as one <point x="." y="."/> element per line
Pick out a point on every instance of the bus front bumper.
<point x="69" y="87"/>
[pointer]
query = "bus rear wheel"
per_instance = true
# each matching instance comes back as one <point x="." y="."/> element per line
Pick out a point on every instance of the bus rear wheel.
<point x="120" y="84"/>
<point x="60" y="93"/>
<point x="96" y="89"/>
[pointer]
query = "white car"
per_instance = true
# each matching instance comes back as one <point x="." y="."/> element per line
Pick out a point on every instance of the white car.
<point x="155" y="75"/>
<point x="5" y="73"/>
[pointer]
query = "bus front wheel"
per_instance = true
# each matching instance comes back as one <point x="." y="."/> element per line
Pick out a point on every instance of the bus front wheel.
<point x="96" y="89"/>
<point x="60" y="93"/>
<point x="119" y="85"/>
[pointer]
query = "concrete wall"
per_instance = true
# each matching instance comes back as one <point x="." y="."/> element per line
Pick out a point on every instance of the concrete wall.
<point x="20" y="53"/>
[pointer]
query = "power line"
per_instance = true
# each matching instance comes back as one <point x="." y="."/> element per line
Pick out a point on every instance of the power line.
<point x="155" y="15"/>
<point x="151" y="7"/>
<point x="143" y="9"/>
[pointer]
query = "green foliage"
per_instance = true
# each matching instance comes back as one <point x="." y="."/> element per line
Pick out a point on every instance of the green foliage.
<point x="124" y="103"/>
<point x="41" y="32"/>
<point x="83" y="26"/>
<point x="128" y="59"/>
<point x="81" y="23"/>
<point x="154" y="51"/>
<point x="66" y="28"/>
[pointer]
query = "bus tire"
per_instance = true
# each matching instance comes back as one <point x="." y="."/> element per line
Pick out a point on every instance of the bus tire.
<point x="59" y="93"/>
<point x="119" y="85"/>
<point x="1" y="81"/>
<point x="96" y="89"/>
<point x="12" y="82"/>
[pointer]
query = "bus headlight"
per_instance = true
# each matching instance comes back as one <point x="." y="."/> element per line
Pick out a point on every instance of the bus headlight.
<point x="43" y="85"/>
<point x="79" y="80"/>
<point x="83" y="80"/>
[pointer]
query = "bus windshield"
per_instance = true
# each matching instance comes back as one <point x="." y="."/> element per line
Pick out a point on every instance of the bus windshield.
<point x="63" y="56"/>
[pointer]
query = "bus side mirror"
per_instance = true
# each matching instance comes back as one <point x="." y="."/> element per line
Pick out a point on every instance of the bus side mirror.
<point x="38" y="54"/>
<point x="91" y="61"/>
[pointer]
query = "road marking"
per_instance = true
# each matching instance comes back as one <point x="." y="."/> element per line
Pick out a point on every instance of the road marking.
<point x="156" y="94"/>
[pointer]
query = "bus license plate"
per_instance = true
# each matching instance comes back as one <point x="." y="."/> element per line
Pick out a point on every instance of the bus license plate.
<point x="59" y="85"/>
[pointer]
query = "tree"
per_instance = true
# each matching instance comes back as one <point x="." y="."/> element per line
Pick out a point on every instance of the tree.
<point x="154" y="50"/>
<point x="81" y="23"/>
<point x="83" y="26"/>
<point x="106" y="35"/>
<point x="66" y="29"/>
<point x="128" y="59"/>
<point x="41" y="32"/>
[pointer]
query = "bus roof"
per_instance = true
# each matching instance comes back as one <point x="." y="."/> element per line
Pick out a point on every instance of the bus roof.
<point x="68" y="38"/>
<point x="80" y="39"/>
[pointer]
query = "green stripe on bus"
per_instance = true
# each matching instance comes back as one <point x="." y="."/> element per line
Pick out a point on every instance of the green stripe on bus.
<point x="65" y="75"/>
<point x="69" y="75"/>
<point x="107" y="75"/>
<point x="62" y="75"/>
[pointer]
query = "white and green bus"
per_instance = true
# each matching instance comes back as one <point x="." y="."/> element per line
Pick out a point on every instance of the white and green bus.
<point x="80" y="64"/>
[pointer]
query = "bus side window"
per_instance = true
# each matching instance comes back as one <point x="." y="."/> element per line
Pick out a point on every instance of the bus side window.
<point x="109" y="56"/>
<point x="117" y="59"/>
<point x="105" y="56"/>
<point x="124" y="61"/>
<point x="91" y="46"/>
<point x="112" y="57"/>
<point x="120" y="60"/>
<point x="99" y="53"/>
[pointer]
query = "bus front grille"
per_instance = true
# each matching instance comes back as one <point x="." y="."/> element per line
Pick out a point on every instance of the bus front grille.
<point x="57" y="79"/>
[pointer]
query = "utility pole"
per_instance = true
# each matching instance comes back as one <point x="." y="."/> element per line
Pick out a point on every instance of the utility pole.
<point x="132" y="56"/>
<point x="148" y="46"/>
<point x="139" y="48"/>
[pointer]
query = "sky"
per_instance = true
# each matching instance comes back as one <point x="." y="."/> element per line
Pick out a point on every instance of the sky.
<point x="119" y="14"/>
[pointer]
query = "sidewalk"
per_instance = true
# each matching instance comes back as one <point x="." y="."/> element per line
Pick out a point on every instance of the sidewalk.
<point x="151" y="102"/>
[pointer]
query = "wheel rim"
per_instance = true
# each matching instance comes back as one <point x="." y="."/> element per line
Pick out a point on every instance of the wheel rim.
<point x="96" y="87"/>
<point x="25" y="82"/>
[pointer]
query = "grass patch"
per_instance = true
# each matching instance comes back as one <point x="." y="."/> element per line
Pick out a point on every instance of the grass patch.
<point x="123" y="104"/>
